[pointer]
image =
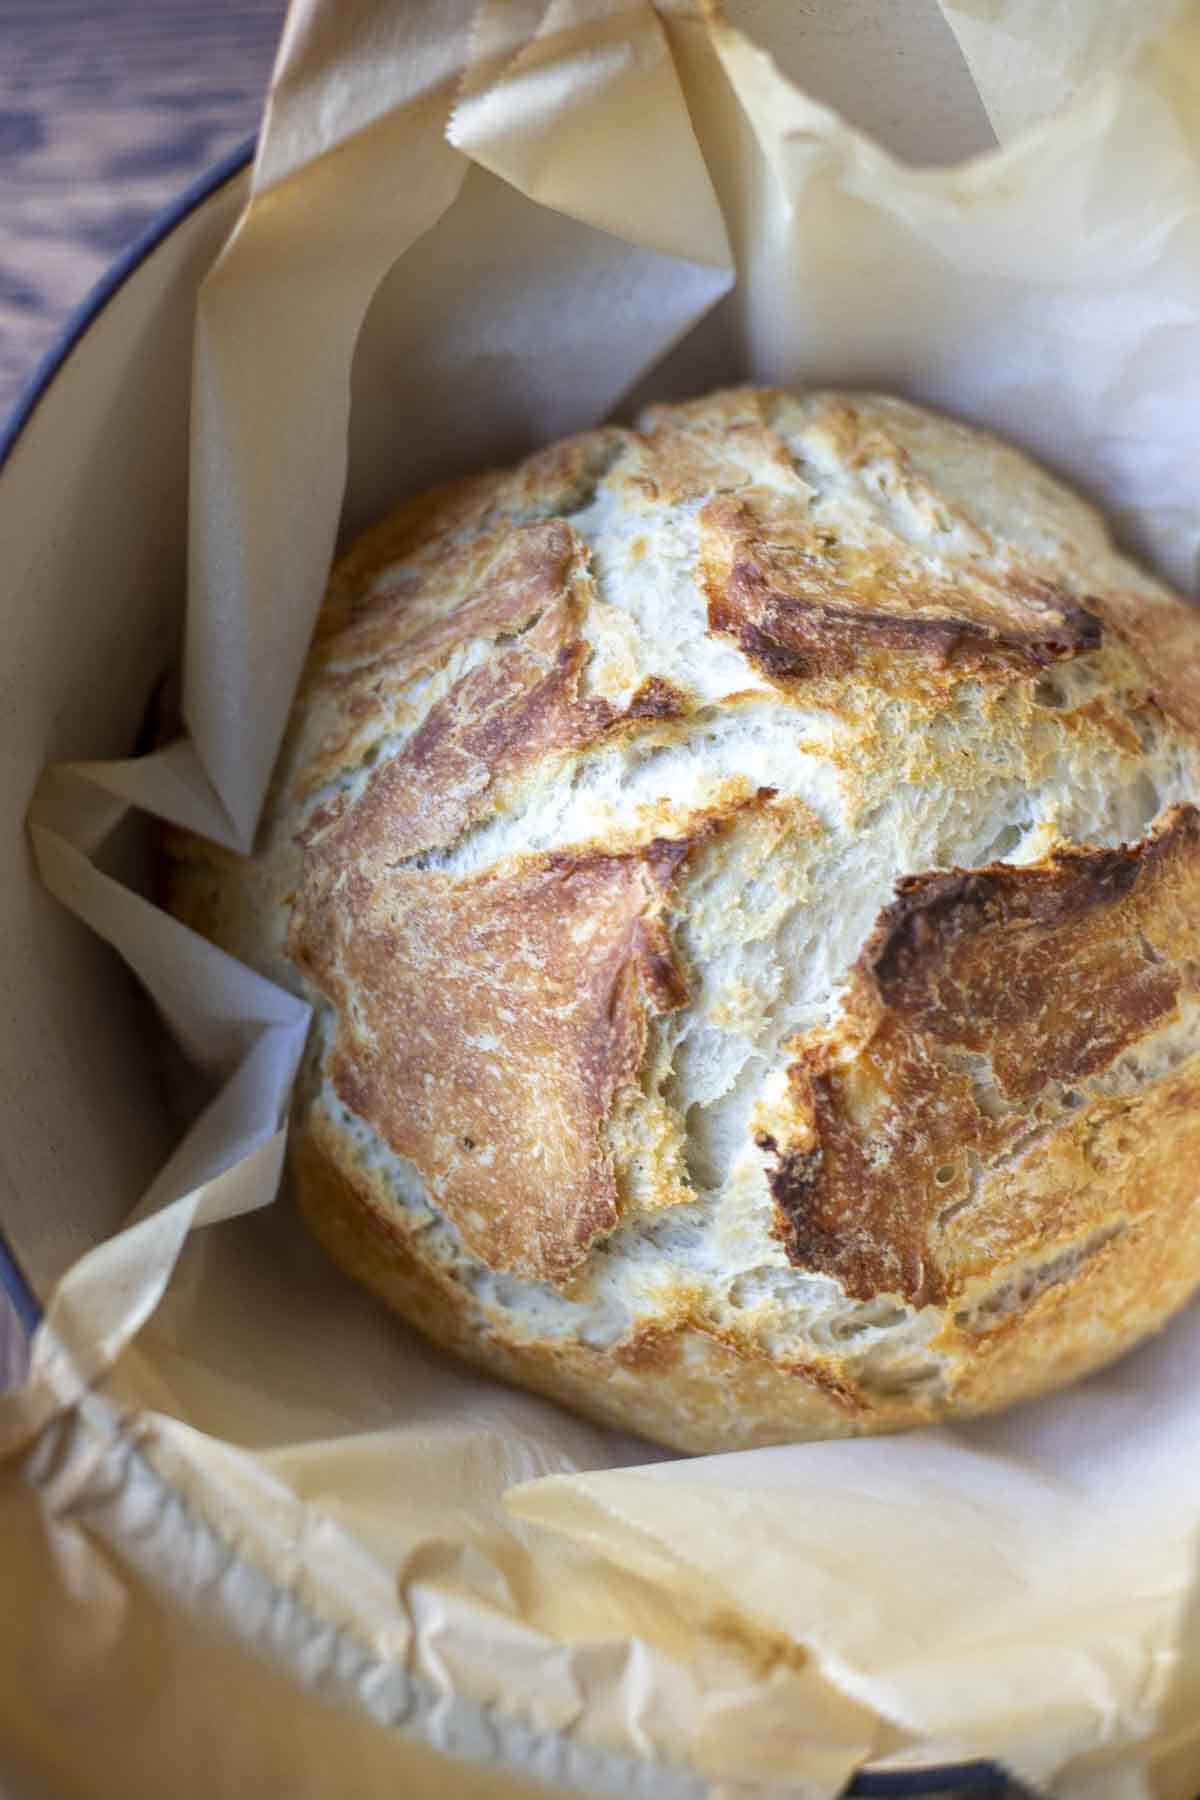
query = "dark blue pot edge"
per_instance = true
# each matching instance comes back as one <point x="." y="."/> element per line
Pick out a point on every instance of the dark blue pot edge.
<point x="14" y="1284"/>
<point x="982" y="1779"/>
<point x="114" y="278"/>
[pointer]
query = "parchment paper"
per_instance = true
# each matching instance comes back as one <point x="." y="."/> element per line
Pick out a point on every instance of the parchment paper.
<point x="471" y="230"/>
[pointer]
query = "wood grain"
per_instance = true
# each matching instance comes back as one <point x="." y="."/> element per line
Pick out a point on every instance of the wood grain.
<point x="108" y="109"/>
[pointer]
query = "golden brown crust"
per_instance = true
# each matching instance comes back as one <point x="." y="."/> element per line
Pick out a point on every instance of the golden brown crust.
<point x="1126" y="1260"/>
<point x="690" y="451"/>
<point x="1051" y="968"/>
<point x="992" y="1151"/>
<point x="491" y="587"/>
<point x="495" y="586"/>
<point x="487" y="1027"/>
<point x="506" y="715"/>
<point x="801" y="604"/>
<point x="699" y="1390"/>
<point x="1165" y="634"/>
<point x="677" y="1382"/>
<point x="514" y="713"/>
<point x="980" y="1002"/>
<point x="418" y="534"/>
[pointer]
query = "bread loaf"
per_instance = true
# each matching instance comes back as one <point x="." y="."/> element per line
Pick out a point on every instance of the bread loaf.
<point x="746" y="872"/>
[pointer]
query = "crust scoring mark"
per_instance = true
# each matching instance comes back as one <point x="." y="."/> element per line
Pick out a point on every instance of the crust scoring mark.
<point x="521" y="708"/>
<point x="802" y="606"/>
<point x="507" y="1010"/>
<point x="488" y="1025"/>
<point x="1050" y="972"/>
<point x="1013" y="1296"/>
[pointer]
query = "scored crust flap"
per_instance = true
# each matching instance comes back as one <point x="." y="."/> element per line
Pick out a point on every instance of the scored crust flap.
<point x="487" y="1028"/>
<point x="993" y="1017"/>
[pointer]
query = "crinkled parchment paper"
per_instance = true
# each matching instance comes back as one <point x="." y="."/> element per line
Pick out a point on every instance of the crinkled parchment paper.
<point x="473" y="229"/>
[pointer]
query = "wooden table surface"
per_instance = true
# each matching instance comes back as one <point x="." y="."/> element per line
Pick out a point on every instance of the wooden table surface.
<point x="108" y="108"/>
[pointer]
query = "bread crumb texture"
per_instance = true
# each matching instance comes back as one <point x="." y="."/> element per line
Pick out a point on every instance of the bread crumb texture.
<point x="746" y="871"/>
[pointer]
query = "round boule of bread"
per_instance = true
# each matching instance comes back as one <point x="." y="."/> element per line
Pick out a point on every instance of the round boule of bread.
<point x="746" y="873"/>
